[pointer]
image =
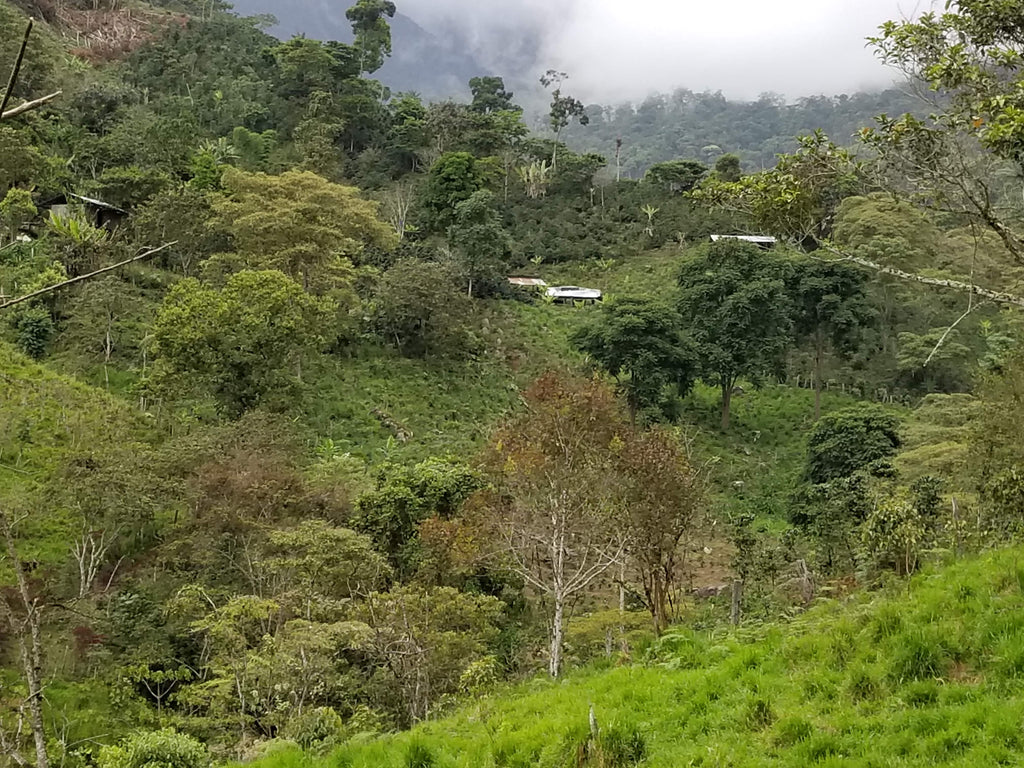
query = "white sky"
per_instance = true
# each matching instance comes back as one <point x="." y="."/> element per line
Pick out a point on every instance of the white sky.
<point x="625" y="49"/>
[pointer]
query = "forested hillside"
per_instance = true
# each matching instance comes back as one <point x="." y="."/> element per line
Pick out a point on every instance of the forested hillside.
<point x="292" y="473"/>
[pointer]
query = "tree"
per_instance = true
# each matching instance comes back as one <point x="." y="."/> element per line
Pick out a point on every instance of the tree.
<point x="489" y="95"/>
<point x="830" y="307"/>
<point x="968" y="57"/>
<point x="850" y="440"/>
<point x="420" y="309"/>
<point x="551" y="513"/>
<point x="300" y="224"/>
<point x="727" y="168"/>
<point x="735" y="305"/>
<point x="391" y="514"/>
<point x="423" y="641"/>
<point x="16" y="210"/>
<point x="243" y="343"/>
<point x="564" y="109"/>
<point x="481" y="241"/>
<point x="640" y="339"/>
<point x="181" y="215"/>
<point x="677" y="175"/>
<point x="316" y="567"/>
<point x="662" y="496"/>
<point x="372" y="32"/>
<point x="453" y="179"/>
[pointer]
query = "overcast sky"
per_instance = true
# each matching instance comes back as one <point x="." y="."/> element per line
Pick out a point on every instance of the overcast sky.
<point x="625" y="49"/>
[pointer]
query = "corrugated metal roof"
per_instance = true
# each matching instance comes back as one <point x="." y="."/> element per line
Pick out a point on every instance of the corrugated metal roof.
<point x="758" y="239"/>
<point x="574" y="292"/>
<point x="528" y="282"/>
<point x="97" y="203"/>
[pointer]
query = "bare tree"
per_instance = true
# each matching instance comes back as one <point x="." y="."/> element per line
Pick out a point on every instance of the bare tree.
<point x="552" y="512"/>
<point x="396" y="206"/>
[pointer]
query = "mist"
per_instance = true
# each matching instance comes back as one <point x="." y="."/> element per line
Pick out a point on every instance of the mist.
<point x="616" y="51"/>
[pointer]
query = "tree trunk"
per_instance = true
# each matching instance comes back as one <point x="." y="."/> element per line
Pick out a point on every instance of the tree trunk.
<point x="737" y="597"/>
<point x="31" y="651"/>
<point x="726" y="403"/>
<point x="818" y="344"/>
<point x="557" y="636"/>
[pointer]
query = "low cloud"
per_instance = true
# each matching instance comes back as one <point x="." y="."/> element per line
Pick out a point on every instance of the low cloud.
<point x="618" y="50"/>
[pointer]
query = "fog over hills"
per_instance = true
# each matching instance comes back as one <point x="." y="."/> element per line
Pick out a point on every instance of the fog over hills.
<point x="618" y="51"/>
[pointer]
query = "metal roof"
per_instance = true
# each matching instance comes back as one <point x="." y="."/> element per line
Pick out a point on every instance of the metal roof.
<point x="758" y="239"/>
<point x="528" y="282"/>
<point x="97" y="203"/>
<point x="574" y="292"/>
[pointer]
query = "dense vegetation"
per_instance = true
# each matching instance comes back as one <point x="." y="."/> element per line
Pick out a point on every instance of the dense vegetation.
<point x="288" y="465"/>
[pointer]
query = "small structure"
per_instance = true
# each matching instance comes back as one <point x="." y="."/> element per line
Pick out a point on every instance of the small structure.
<point x="570" y="294"/>
<point x="531" y="283"/>
<point x="99" y="214"/>
<point x="764" y="242"/>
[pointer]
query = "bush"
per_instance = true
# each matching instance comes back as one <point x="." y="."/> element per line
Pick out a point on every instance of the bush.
<point x="917" y="655"/>
<point x="419" y="755"/>
<point x="316" y="730"/>
<point x="156" y="749"/>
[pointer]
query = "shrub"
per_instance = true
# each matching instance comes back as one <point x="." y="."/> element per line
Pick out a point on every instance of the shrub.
<point x="917" y="655"/>
<point x="317" y="729"/>
<point x="419" y="755"/>
<point x="156" y="749"/>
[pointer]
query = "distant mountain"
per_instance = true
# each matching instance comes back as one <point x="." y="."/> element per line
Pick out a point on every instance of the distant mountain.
<point x="435" y="66"/>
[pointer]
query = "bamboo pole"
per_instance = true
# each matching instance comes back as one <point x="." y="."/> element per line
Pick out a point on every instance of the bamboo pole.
<point x="80" y="278"/>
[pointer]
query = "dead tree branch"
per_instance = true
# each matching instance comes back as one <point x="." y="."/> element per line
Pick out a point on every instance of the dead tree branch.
<point x="28" y="106"/>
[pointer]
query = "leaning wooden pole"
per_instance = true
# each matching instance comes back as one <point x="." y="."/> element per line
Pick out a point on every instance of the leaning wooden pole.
<point x="80" y="278"/>
<point x="17" y="69"/>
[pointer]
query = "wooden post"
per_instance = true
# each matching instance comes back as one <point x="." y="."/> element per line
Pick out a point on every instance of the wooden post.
<point x="737" y="597"/>
<point x="16" y="70"/>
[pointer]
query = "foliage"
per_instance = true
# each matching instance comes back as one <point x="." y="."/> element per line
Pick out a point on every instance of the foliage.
<point x="241" y="343"/>
<point x="420" y="309"/>
<point x="640" y="339"/>
<point x="16" y="210"/>
<point x="426" y="640"/>
<point x="735" y="306"/>
<point x="299" y="224"/>
<point x="404" y="498"/>
<point x="847" y="441"/>
<point x="452" y="180"/>
<point x="156" y="749"/>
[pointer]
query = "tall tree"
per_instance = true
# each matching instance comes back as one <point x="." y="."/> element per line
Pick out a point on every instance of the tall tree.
<point x="242" y="344"/>
<point x="298" y="223"/>
<point x="830" y="308"/>
<point x="734" y="302"/>
<point x="662" y="496"/>
<point x="551" y="513"/>
<point x="564" y="109"/>
<point x="640" y="342"/>
<point x="489" y="95"/>
<point x="372" y="32"/>
<point x="482" y="243"/>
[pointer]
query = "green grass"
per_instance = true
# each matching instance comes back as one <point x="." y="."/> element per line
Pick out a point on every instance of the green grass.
<point x="927" y="673"/>
<point x="45" y="417"/>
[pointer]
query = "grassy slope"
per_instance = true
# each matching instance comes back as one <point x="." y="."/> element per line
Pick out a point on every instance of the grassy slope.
<point x="928" y="673"/>
<point x="45" y="417"/>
